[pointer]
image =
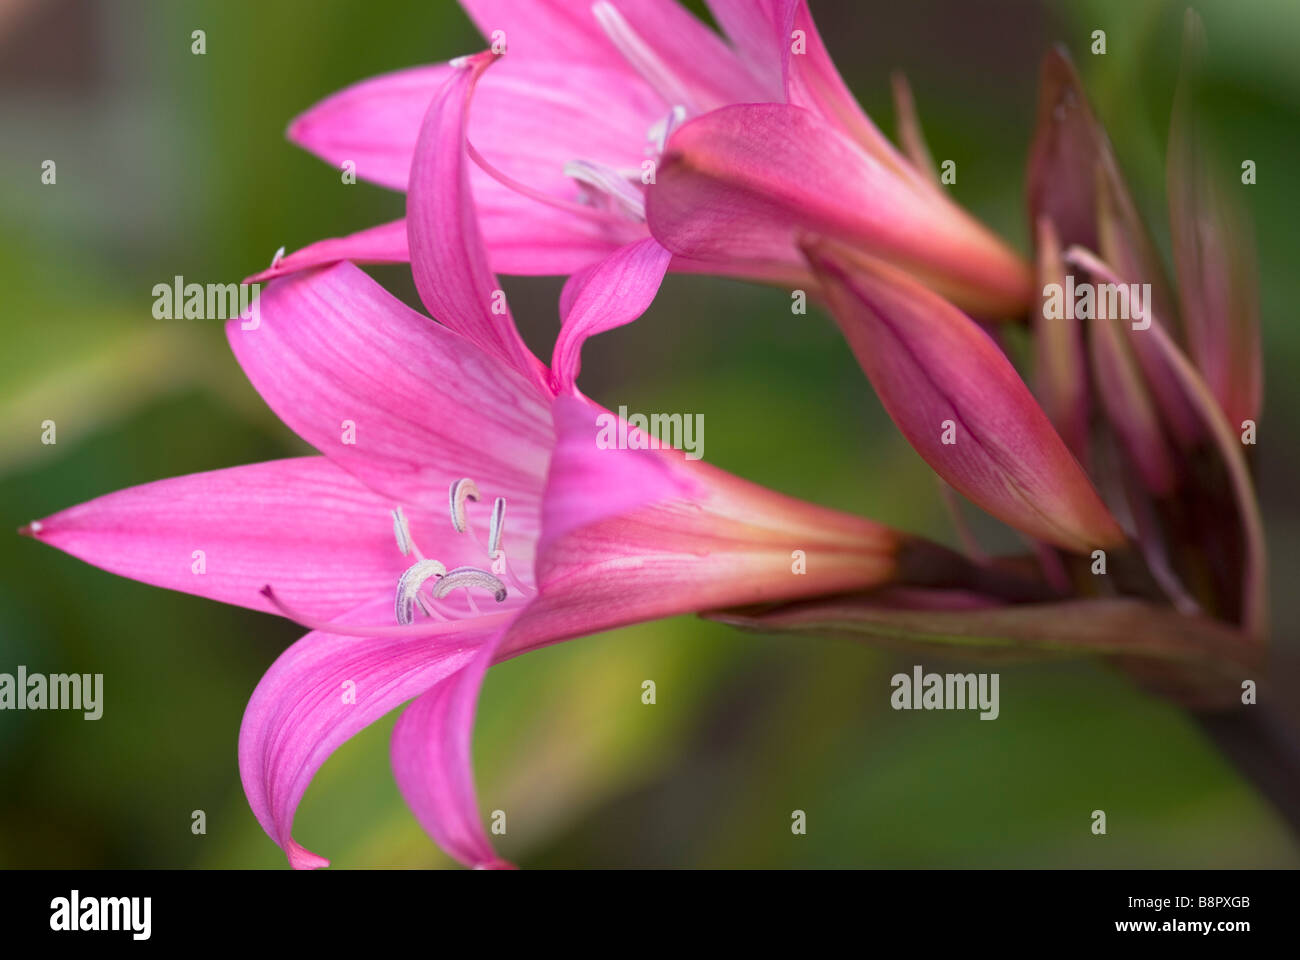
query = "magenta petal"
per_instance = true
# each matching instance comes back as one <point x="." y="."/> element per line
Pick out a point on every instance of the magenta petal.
<point x="448" y="259"/>
<point x="433" y="766"/>
<point x="317" y="695"/>
<point x="385" y="243"/>
<point x="746" y="181"/>
<point x="558" y="30"/>
<point x="591" y="478"/>
<point x="760" y="31"/>
<point x="425" y="405"/>
<point x="372" y="124"/>
<point x="609" y="294"/>
<point x="961" y="404"/>
<point x="306" y="526"/>
<point x="523" y="238"/>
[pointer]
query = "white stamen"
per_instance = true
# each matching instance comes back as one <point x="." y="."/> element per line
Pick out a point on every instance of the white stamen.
<point x="663" y="128"/>
<point x="497" y="526"/>
<point x="469" y="577"/>
<point x="608" y="183"/>
<point x="401" y="532"/>
<point x="408" y="588"/>
<point x="35" y="526"/>
<point x="275" y="260"/>
<point x="457" y="494"/>
<point x="641" y="57"/>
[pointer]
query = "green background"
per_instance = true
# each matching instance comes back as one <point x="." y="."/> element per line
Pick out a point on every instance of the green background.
<point x="170" y="163"/>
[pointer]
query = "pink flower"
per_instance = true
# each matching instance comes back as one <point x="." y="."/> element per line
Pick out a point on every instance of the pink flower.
<point x="403" y="604"/>
<point x="615" y="122"/>
<point x="580" y="539"/>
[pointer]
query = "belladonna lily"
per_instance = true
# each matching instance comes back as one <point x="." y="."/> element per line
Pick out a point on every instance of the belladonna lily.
<point x="621" y="124"/>
<point x="473" y="518"/>
<point x="461" y="511"/>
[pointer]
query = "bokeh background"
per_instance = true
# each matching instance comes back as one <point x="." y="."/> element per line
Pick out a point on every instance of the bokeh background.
<point x="170" y="163"/>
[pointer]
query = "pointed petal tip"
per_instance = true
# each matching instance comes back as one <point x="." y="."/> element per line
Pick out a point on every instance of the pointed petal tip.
<point x="300" y="858"/>
<point x="32" y="529"/>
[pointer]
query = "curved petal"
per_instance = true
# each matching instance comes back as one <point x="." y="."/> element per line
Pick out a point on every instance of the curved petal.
<point x="609" y="294"/>
<point x="448" y="260"/>
<point x="305" y="525"/>
<point x="385" y="243"/>
<point x="402" y="403"/>
<point x="592" y="477"/>
<point x="372" y="124"/>
<point x="962" y="406"/>
<point x="761" y="32"/>
<point x="745" y="181"/>
<point x="433" y="765"/>
<point x="700" y="63"/>
<point x="530" y="118"/>
<point x="317" y="695"/>
<point x="523" y="238"/>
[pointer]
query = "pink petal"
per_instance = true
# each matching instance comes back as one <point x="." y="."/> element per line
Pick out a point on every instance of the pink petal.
<point x="449" y="262"/>
<point x="568" y="31"/>
<point x="936" y="371"/>
<point x="557" y="30"/>
<point x="627" y="539"/>
<point x="745" y="181"/>
<point x="317" y="695"/>
<point x="609" y="294"/>
<point x="590" y="479"/>
<point x="764" y="32"/>
<point x="433" y="766"/>
<point x="428" y="406"/>
<point x="760" y="31"/>
<point x="306" y="526"/>
<point x="373" y="124"/>
<point x="530" y="118"/>
<point x="385" y="243"/>
<point x="523" y="238"/>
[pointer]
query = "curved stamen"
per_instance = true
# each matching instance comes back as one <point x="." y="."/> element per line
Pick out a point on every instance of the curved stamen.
<point x="401" y="532"/>
<point x="497" y="526"/>
<point x="414" y="631"/>
<point x="469" y="577"/>
<point x="604" y="181"/>
<point x="460" y="491"/>
<point x="583" y="210"/>
<point x="408" y="586"/>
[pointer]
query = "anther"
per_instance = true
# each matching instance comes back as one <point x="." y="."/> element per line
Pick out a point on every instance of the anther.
<point x="401" y="532"/>
<point x="457" y="494"/>
<point x="469" y="577"/>
<point x="408" y="587"/>
<point x="497" y="526"/>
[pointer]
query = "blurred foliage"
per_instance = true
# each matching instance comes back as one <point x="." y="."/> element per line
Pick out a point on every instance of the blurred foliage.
<point x="170" y="163"/>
